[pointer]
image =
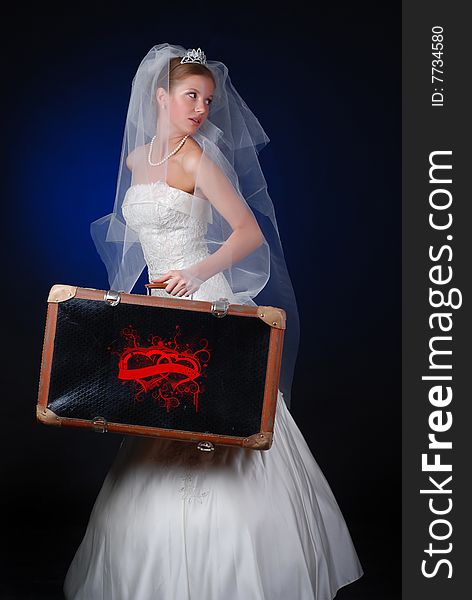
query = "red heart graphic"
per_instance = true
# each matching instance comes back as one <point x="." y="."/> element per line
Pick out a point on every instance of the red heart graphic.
<point x="171" y="373"/>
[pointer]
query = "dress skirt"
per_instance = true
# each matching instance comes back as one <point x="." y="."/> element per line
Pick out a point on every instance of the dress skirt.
<point x="174" y="523"/>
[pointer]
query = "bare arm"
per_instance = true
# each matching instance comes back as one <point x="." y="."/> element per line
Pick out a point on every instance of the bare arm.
<point x="246" y="235"/>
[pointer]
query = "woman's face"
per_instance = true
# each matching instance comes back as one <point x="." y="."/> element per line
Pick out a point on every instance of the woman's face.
<point x="189" y="101"/>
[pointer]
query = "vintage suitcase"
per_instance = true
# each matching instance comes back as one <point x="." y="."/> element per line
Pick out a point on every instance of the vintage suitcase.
<point x="196" y="371"/>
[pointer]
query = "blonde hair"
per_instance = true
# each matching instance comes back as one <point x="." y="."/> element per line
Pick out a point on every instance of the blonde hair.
<point x="176" y="71"/>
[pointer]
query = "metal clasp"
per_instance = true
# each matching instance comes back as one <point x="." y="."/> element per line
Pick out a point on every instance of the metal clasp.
<point x="112" y="297"/>
<point x="100" y="424"/>
<point x="219" y="308"/>
<point x="205" y="446"/>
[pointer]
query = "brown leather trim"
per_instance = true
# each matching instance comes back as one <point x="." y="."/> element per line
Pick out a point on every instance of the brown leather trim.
<point x="274" y="362"/>
<point x="178" y="303"/>
<point x="259" y="441"/>
<point x="61" y="292"/>
<point x="46" y="358"/>
<point x="48" y="417"/>
<point x="275" y="317"/>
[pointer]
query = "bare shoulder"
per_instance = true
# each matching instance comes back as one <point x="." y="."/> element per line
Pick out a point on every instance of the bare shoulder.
<point x="136" y="156"/>
<point x="191" y="157"/>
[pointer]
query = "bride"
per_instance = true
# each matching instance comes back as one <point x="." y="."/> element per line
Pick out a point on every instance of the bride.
<point x="170" y="522"/>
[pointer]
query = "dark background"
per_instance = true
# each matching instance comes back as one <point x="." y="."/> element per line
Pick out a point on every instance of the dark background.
<point x="326" y="88"/>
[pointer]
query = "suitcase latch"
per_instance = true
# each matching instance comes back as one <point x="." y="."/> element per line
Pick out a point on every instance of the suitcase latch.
<point x="100" y="424"/>
<point x="205" y="446"/>
<point x="219" y="308"/>
<point x="112" y="297"/>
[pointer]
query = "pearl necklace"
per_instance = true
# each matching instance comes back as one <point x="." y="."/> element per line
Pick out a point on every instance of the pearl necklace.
<point x="177" y="148"/>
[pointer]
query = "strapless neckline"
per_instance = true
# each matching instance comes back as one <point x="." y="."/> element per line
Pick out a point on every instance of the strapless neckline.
<point x="173" y="198"/>
<point x="160" y="181"/>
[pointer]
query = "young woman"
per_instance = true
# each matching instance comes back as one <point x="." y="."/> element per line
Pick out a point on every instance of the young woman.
<point x="170" y="522"/>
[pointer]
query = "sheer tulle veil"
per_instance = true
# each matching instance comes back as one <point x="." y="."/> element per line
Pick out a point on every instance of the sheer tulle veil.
<point x="230" y="140"/>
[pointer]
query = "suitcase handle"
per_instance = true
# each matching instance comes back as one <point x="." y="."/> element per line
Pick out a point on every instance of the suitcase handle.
<point x="161" y="285"/>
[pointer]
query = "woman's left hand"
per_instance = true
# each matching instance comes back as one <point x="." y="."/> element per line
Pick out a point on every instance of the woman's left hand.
<point x="182" y="282"/>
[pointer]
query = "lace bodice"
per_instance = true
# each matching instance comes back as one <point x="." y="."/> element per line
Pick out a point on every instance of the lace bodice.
<point x="171" y="225"/>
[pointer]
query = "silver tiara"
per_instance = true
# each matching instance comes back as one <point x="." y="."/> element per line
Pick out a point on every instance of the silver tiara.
<point x="194" y="56"/>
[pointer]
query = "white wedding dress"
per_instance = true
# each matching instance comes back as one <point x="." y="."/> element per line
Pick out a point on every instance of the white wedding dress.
<point x="173" y="523"/>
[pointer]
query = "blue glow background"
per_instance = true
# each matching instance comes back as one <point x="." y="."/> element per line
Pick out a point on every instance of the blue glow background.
<point x="327" y="90"/>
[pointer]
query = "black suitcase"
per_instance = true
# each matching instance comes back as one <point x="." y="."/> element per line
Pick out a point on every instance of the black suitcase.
<point x="206" y="372"/>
